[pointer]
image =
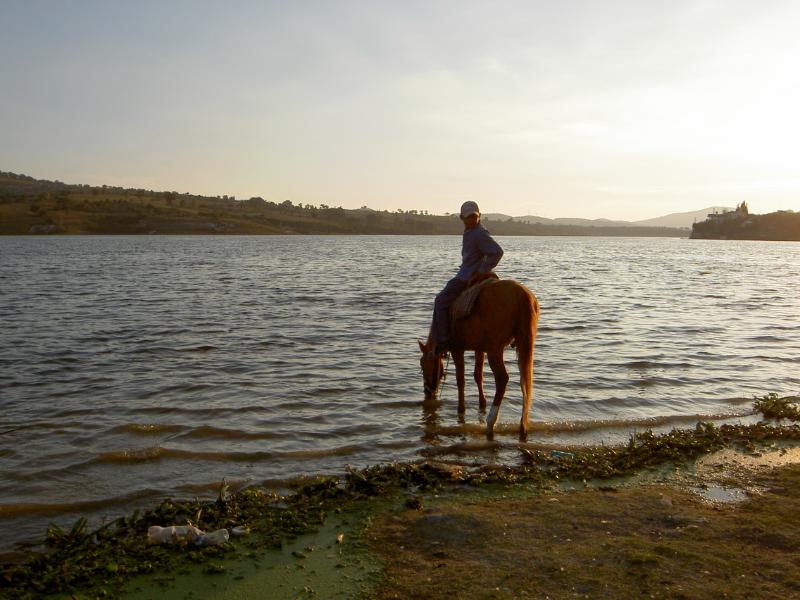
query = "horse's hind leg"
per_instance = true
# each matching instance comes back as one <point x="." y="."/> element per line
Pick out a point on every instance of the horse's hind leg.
<point x="525" y="361"/>
<point x="458" y="360"/>
<point x="500" y="382"/>
<point x="479" y="356"/>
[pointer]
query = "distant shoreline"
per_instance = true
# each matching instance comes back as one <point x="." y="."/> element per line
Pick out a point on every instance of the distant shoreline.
<point x="343" y="234"/>
<point x="38" y="207"/>
<point x="740" y="224"/>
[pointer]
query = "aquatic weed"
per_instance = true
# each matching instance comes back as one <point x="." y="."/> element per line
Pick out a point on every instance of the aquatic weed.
<point x="774" y="407"/>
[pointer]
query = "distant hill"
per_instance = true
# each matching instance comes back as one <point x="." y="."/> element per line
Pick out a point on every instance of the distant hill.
<point x="592" y="222"/>
<point x="684" y="219"/>
<point x="35" y="206"/>
<point x="534" y="219"/>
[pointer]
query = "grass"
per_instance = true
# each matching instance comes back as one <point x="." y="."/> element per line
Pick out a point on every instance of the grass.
<point x="647" y="541"/>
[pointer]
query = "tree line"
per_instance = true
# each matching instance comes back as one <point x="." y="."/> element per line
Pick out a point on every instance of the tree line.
<point x="29" y="205"/>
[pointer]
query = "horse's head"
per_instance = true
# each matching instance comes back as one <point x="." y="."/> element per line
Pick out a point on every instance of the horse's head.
<point x="432" y="369"/>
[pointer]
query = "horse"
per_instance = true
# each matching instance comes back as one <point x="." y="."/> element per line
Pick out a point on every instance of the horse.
<point x="505" y="313"/>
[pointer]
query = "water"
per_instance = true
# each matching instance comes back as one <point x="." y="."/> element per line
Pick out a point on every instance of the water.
<point x="138" y="368"/>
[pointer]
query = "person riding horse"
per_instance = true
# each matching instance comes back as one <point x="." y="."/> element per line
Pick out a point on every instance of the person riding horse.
<point x="504" y="313"/>
<point x="479" y="255"/>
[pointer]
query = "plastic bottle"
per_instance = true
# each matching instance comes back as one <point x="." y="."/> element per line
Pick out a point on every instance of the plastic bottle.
<point x="215" y="538"/>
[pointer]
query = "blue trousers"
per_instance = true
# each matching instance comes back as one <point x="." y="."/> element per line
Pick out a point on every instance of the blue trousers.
<point x="441" y="307"/>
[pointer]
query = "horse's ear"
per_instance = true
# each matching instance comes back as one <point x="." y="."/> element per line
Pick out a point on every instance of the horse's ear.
<point x="421" y="346"/>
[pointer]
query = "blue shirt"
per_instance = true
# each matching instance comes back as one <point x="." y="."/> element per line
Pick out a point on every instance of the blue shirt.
<point x="479" y="253"/>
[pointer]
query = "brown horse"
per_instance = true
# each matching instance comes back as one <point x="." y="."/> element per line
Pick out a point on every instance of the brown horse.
<point x="505" y="312"/>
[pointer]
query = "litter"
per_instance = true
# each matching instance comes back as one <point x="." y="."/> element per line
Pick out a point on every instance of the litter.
<point x="187" y="533"/>
<point x="560" y="454"/>
<point x="215" y="538"/>
<point x="240" y="531"/>
<point x="172" y="534"/>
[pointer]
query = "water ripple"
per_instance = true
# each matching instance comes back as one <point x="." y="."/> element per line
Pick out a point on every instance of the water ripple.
<point x="134" y="367"/>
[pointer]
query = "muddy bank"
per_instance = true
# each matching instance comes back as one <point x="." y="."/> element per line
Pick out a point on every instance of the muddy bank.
<point x="372" y="532"/>
<point x="725" y="532"/>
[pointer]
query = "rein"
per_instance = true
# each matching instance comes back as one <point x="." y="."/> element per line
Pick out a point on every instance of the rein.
<point x="444" y="377"/>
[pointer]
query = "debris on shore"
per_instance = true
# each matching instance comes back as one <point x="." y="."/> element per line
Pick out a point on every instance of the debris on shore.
<point x="109" y="556"/>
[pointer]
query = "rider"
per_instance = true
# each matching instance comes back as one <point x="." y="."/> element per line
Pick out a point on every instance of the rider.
<point x="479" y="255"/>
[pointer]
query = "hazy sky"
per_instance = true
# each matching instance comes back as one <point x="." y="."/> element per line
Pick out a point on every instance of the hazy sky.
<point x="619" y="109"/>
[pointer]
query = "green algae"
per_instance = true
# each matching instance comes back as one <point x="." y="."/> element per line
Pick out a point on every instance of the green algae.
<point x="646" y="449"/>
<point x="312" y="565"/>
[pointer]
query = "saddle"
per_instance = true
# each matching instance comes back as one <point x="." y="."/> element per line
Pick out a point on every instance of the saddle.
<point x="465" y="303"/>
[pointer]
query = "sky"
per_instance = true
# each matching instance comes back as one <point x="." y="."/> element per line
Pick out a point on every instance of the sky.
<point x="627" y="109"/>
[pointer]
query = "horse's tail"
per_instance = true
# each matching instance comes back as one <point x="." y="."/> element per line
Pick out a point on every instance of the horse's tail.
<point x="525" y="335"/>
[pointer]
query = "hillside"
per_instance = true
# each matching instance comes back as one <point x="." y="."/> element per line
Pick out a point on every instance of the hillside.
<point x="683" y="219"/>
<point x="680" y="220"/>
<point x="33" y="206"/>
<point x="534" y="220"/>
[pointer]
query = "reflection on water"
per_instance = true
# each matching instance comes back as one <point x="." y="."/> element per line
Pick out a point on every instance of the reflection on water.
<point x="134" y="368"/>
<point x="431" y="423"/>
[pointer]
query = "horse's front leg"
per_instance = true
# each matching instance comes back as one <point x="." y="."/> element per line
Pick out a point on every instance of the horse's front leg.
<point x="458" y="360"/>
<point x="500" y="382"/>
<point x="479" y="379"/>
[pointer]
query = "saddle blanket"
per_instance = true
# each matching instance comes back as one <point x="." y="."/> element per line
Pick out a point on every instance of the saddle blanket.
<point x="465" y="303"/>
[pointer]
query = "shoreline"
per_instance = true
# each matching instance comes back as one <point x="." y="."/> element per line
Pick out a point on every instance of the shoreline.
<point x="390" y="545"/>
<point x="113" y="557"/>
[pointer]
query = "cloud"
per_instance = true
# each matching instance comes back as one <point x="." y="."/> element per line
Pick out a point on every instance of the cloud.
<point x="412" y="104"/>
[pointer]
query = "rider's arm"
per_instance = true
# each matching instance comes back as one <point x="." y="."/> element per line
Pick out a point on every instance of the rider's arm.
<point x="492" y="252"/>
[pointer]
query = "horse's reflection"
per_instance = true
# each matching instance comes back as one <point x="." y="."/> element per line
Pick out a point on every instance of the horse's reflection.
<point x="435" y="429"/>
<point x="454" y="443"/>
<point x="430" y="420"/>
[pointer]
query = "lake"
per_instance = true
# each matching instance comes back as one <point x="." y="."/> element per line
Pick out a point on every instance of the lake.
<point x="138" y="368"/>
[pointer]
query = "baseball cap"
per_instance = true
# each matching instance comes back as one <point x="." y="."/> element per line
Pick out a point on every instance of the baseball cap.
<point x="469" y="208"/>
